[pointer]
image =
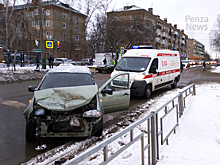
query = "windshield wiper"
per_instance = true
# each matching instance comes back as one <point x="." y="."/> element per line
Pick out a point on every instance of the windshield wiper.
<point x="118" y="68"/>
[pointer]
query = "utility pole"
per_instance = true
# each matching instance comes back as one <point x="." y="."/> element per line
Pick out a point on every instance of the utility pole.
<point x="42" y="43"/>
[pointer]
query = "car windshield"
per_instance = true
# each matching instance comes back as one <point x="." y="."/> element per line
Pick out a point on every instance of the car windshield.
<point x="57" y="80"/>
<point x="134" y="64"/>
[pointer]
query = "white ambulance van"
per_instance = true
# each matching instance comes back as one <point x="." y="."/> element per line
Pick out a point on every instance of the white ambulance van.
<point x="149" y="69"/>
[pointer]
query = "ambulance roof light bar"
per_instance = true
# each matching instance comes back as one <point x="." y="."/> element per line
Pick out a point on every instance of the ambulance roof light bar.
<point x="142" y="47"/>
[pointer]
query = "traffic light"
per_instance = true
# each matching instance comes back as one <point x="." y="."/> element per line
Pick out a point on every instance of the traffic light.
<point x="58" y="44"/>
<point x="22" y="58"/>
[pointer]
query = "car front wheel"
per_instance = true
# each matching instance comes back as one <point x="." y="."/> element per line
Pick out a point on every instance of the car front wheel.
<point x="30" y="130"/>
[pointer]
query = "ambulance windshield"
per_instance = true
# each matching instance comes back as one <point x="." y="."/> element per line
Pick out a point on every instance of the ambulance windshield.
<point x="133" y="64"/>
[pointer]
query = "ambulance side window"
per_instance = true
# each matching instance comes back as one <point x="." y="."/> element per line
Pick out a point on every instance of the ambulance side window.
<point x="154" y="66"/>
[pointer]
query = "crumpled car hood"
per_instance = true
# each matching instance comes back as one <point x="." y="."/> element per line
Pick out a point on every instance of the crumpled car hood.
<point x="65" y="98"/>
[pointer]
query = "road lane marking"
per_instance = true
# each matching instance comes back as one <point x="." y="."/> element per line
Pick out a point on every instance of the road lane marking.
<point x="12" y="103"/>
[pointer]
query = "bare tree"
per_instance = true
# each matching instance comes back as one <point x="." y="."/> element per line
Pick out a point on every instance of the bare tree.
<point x="126" y="33"/>
<point x="97" y="36"/>
<point x="90" y="8"/>
<point x="215" y="36"/>
<point x="13" y="28"/>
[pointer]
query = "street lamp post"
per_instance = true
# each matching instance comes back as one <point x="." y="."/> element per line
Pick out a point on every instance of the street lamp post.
<point x="42" y="43"/>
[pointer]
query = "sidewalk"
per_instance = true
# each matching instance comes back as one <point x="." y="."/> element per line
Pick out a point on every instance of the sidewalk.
<point x="197" y="139"/>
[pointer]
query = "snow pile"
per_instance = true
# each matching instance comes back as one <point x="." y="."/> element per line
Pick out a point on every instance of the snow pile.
<point x="198" y="136"/>
<point x="21" y="74"/>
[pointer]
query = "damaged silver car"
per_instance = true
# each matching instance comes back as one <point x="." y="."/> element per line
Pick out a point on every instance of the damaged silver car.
<point x="68" y="103"/>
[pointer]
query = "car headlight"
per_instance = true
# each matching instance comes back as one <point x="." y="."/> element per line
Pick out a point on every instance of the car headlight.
<point x="112" y="74"/>
<point x="39" y="112"/>
<point x="92" y="113"/>
<point x="140" y="76"/>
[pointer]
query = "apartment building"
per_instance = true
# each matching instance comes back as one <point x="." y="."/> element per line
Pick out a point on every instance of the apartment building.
<point x="195" y="50"/>
<point x="60" y="23"/>
<point x="163" y="35"/>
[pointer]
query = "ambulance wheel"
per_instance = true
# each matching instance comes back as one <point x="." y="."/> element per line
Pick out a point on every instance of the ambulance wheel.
<point x="147" y="92"/>
<point x="174" y="85"/>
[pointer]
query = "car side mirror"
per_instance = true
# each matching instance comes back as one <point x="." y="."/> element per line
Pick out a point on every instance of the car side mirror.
<point x="153" y="69"/>
<point x="108" y="91"/>
<point x="31" y="88"/>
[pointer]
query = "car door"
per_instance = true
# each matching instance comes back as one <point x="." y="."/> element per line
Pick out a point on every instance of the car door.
<point x="115" y="93"/>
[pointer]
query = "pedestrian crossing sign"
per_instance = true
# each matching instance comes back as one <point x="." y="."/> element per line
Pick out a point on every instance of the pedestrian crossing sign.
<point x="122" y="50"/>
<point x="49" y="44"/>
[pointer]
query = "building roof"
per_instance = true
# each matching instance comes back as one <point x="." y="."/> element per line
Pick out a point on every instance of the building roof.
<point x="48" y="3"/>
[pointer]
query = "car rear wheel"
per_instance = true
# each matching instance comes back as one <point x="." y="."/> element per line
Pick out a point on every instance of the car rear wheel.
<point x="148" y="91"/>
<point x="30" y="130"/>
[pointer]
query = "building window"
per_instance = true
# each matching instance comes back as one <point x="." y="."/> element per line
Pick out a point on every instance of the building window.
<point x="43" y="11"/>
<point x="47" y="12"/>
<point x="27" y="15"/>
<point x="33" y="14"/>
<point x="36" y="22"/>
<point x="77" y="20"/>
<point x="47" y="22"/>
<point x="48" y="33"/>
<point x="64" y="25"/>
<point x="77" y="28"/>
<point x="77" y="37"/>
<point x="63" y="55"/>
<point x="63" y="15"/>
<point x="64" y="35"/>
<point x="77" y="55"/>
<point x="77" y="47"/>
<point x="33" y="23"/>
<point x="116" y="18"/>
<point x="132" y="17"/>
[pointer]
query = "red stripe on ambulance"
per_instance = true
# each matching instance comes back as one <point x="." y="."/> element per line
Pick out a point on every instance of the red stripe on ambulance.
<point x="166" y="54"/>
<point x="162" y="73"/>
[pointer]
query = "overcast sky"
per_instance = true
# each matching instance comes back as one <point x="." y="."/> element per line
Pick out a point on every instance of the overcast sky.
<point x="196" y="17"/>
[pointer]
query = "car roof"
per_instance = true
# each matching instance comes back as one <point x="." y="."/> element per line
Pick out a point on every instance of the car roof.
<point x="70" y="69"/>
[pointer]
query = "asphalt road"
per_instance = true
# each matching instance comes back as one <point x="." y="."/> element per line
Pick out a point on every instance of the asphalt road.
<point x="14" y="99"/>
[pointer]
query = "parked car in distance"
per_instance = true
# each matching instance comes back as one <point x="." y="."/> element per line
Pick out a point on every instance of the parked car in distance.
<point x="185" y="63"/>
<point x="68" y="103"/>
<point x="86" y="61"/>
<point x="109" y="67"/>
<point x="58" y="61"/>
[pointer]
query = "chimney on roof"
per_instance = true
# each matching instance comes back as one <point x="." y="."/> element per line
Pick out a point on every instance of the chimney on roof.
<point x="165" y="19"/>
<point x="175" y="25"/>
<point x="150" y="10"/>
<point x="127" y="7"/>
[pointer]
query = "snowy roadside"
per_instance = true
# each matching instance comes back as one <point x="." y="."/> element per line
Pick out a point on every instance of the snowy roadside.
<point x="21" y="74"/>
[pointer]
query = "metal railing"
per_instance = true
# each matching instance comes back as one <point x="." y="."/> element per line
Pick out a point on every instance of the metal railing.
<point x="155" y="130"/>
